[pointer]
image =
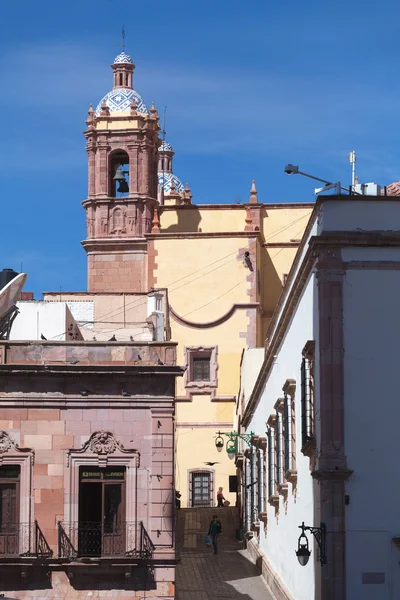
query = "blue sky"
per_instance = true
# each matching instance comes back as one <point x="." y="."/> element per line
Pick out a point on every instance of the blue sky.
<point x="249" y="87"/>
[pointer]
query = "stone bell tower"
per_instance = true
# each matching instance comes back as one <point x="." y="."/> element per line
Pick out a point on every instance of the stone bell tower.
<point x="122" y="145"/>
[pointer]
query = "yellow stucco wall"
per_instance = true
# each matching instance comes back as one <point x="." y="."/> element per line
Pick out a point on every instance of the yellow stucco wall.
<point x="195" y="218"/>
<point x="194" y="447"/>
<point x="204" y="279"/>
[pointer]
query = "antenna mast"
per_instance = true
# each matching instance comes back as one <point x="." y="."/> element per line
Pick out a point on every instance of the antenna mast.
<point x="352" y="161"/>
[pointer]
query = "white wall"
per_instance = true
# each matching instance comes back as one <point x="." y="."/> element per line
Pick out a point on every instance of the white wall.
<point x="251" y="364"/>
<point x="372" y="422"/>
<point x="39" y="317"/>
<point x="283" y="532"/>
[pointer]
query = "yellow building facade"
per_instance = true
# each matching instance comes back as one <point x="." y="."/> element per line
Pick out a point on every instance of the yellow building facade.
<point x="217" y="271"/>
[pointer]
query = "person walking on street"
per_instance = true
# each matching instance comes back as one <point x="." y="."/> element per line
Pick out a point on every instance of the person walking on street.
<point x="220" y="498"/>
<point x="214" y="531"/>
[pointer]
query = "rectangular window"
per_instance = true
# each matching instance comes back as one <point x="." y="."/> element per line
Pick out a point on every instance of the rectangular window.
<point x="201" y="369"/>
<point x="279" y="449"/>
<point x="201" y="489"/>
<point x="307" y="398"/>
<point x="271" y="462"/>
<point x="287" y="434"/>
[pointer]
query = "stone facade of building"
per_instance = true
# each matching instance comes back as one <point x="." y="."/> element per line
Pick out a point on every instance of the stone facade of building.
<point x="87" y="468"/>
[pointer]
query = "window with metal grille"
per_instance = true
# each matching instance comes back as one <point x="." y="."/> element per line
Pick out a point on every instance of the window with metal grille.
<point x="307" y="396"/>
<point x="201" y="369"/>
<point x="286" y="426"/>
<point x="271" y="462"/>
<point x="279" y="448"/>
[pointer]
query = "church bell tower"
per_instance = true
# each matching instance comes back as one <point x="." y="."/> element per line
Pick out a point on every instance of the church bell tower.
<point x="122" y="145"/>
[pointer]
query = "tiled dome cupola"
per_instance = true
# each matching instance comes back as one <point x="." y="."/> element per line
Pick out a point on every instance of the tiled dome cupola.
<point x="122" y="95"/>
<point x="123" y="58"/>
<point x="165" y="175"/>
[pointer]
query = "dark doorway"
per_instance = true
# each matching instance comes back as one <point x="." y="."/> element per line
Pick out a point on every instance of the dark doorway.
<point x="9" y="510"/>
<point x="101" y="528"/>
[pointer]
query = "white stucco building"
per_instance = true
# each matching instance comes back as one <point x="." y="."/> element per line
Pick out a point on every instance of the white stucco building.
<point x="324" y="411"/>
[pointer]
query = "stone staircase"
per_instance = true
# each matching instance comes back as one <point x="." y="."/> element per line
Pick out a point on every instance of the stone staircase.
<point x="192" y="526"/>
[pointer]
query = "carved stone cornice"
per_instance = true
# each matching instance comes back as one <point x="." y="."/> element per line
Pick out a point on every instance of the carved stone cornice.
<point x="309" y="349"/>
<point x="263" y="518"/>
<point x="291" y="476"/>
<point x="289" y="387"/>
<point x="332" y="474"/>
<point x="279" y="405"/>
<point x="103" y="443"/>
<point x="274" y="500"/>
<point x="271" y="420"/>
<point x="283" y="489"/>
<point x="262" y="443"/>
<point x="7" y="444"/>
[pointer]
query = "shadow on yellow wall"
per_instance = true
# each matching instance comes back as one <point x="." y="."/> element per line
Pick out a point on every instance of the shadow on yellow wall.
<point x="189" y="219"/>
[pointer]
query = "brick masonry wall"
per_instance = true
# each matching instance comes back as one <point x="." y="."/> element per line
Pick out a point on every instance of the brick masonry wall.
<point x="125" y="272"/>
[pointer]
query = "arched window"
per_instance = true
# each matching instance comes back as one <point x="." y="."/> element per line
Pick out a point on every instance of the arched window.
<point x="118" y="161"/>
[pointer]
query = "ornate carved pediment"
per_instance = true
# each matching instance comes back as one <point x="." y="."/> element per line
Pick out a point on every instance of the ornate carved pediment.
<point x="103" y="443"/>
<point x="7" y="444"/>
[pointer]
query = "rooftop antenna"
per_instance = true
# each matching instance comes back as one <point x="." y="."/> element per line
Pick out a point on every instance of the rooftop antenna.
<point x="352" y="161"/>
<point x="163" y="162"/>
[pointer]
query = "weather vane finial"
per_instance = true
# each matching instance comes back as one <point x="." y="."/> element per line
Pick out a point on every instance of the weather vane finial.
<point x="123" y="39"/>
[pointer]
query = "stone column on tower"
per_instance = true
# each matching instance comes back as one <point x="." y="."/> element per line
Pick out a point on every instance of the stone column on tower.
<point x="122" y="145"/>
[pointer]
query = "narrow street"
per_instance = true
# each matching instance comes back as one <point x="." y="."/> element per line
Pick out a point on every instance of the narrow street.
<point x="201" y="575"/>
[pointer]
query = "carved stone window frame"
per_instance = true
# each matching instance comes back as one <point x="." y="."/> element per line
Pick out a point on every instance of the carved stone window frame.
<point x="282" y="485"/>
<point x="12" y="455"/>
<point x="101" y="450"/>
<point x="308" y="443"/>
<point x="289" y="389"/>
<point x="201" y="387"/>
<point x="272" y="491"/>
<point x="211" y="473"/>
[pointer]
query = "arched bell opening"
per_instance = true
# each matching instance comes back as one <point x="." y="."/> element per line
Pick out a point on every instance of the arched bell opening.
<point x="119" y="174"/>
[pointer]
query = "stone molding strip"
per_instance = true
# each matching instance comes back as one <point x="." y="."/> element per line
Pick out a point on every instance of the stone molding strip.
<point x="216" y="322"/>
<point x="191" y="393"/>
<point x="200" y="234"/>
<point x="197" y="425"/>
<point x="237" y="206"/>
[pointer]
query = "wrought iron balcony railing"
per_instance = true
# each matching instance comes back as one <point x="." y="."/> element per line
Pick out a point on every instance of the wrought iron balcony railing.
<point x="97" y="540"/>
<point x="24" y="539"/>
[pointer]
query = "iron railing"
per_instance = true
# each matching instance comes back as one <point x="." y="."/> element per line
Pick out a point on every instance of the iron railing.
<point x="24" y="539"/>
<point x="86" y="539"/>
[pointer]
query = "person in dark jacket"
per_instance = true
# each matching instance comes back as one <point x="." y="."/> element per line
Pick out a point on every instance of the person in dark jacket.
<point x="214" y="531"/>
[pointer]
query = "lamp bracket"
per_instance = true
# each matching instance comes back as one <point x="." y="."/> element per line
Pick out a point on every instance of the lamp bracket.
<point x="233" y="436"/>
<point x="319" y="533"/>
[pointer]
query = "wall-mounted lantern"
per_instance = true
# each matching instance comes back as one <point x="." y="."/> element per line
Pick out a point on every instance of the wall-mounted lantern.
<point x="231" y="444"/>
<point x="303" y="551"/>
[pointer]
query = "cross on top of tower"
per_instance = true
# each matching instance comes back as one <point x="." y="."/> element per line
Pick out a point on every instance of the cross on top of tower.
<point x="123" y="39"/>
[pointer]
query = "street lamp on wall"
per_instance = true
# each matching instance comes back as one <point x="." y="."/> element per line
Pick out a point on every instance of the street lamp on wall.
<point x="219" y="443"/>
<point x="303" y="551"/>
<point x="231" y="444"/>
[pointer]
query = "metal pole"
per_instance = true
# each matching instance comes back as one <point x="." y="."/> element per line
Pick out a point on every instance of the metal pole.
<point x="253" y="484"/>
<point x="248" y="495"/>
